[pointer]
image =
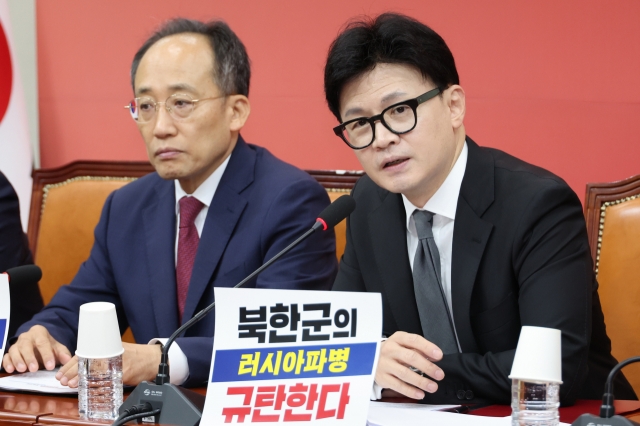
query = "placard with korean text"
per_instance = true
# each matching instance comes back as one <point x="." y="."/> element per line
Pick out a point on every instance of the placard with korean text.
<point x="293" y="357"/>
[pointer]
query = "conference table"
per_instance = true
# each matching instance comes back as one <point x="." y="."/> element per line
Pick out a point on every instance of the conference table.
<point x="39" y="410"/>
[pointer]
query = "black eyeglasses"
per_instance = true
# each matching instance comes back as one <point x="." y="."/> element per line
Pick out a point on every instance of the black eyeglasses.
<point x="399" y="118"/>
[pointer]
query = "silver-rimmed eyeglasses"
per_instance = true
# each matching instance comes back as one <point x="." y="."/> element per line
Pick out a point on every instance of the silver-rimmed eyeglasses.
<point x="399" y="118"/>
<point x="178" y="105"/>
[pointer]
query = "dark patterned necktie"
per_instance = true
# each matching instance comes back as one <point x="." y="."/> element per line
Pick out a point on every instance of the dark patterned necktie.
<point x="188" y="240"/>
<point x="427" y="284"/>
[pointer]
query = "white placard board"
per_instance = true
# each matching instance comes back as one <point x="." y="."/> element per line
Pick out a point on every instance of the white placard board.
<point x="5" y="310"/>
<point x="293" y="357"/>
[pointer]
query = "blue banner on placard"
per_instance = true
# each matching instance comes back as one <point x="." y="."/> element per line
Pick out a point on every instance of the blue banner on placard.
<point x="3" y="328"/>
<point x="295" y="362"/>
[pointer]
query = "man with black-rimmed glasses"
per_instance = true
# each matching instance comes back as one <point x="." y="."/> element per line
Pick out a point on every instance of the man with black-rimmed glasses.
<point x="466" y="244"/>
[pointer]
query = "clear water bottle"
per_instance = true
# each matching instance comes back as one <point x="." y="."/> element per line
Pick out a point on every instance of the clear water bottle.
<point x="99" y="387"/>
<point x="534" y="403"/>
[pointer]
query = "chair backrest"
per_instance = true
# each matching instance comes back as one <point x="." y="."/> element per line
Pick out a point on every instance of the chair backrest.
<point x="65" y="207"/>
<point x="337" y="183"/>
<point x="66" y="204"/>
<point x="612" y="211"/>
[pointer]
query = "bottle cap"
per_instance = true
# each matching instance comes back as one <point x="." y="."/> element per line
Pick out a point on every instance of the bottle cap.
<point x="98" y="331"/>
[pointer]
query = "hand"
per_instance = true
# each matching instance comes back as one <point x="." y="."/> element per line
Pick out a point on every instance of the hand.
<point x="139" y="363"/>
<point x="68" y="373"/>
<point x="401" y="351"/>
<point x="33" y="350"/>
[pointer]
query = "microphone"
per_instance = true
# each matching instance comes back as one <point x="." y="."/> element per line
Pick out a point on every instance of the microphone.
<point x="335" y="212"/>
<point x="24" y="273"/>
<point x="182" y="406"/>
<point x="607" y="410"/>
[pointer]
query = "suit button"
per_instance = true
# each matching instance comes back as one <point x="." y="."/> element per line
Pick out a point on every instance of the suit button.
<point x="469" y="394"/>
<point x="460" y="394"/>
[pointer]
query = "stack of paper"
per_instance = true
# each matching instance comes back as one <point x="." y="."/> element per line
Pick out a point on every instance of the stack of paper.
<point x="42" y="381"/>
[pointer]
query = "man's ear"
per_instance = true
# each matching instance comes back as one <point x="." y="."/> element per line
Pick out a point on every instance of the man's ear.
<point x="240" y="108"/>
<point x="457" y="105"/>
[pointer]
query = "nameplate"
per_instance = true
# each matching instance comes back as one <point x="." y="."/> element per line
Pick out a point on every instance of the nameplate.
<point x="292" y="357"/>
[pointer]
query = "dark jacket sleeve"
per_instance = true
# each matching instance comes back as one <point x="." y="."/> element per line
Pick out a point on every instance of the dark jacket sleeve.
<point x="93" y="282"/>
<point x="14" y="251"/>
<point x="551" y="265"/>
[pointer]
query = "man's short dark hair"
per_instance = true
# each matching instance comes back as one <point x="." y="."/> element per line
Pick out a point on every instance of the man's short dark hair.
<point x="232" y="70"/>
<point x="391" y="39"/>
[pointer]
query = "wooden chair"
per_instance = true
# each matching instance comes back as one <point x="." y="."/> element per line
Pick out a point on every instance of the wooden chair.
<point x="66" y="204"/>
<point x="612" y="211"/>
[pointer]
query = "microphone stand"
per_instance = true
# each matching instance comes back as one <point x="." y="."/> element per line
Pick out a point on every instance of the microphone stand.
<point x="607" y="410"/>
<point x="178" y="405"/>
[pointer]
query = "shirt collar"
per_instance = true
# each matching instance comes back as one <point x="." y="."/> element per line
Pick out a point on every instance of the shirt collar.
<point x="445" y="200"/>
<point x="207" y="189"/>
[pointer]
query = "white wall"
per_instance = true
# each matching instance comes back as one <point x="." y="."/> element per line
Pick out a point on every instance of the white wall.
<point x="23" y="26"/>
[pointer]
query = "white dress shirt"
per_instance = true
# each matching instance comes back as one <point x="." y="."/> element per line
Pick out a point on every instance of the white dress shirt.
<point x="204" y="193"/>
<point x="443" y="205"/>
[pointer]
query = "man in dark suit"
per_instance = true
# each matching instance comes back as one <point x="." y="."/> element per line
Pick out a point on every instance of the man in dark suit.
<point x="216" y="209"/>
<point x="466" y="244"/>
<point x="26" y="300"/>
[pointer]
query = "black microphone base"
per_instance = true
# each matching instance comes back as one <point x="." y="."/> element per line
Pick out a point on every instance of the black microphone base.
<point x="178" y="406"/>
<point x="591" y="420"/>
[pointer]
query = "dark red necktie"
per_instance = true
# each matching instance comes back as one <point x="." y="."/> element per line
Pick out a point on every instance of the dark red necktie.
<point x="188" y="240"/>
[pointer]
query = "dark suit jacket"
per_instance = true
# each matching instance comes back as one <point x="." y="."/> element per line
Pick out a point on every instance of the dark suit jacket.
<point x="520" y="257"/>
<point x="14" y="251"/>
<point x="261" y="205"/>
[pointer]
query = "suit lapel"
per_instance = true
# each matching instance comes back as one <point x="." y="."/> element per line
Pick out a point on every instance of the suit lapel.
<point x="470" y="237"/>
<point x="389" y="242"/>
<point x="223" y="215"/>
<point x="159" y="219"/>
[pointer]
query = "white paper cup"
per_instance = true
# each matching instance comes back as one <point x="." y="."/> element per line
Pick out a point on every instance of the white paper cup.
<point x="98" y="331"/>
<point x="538" y="355"/>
